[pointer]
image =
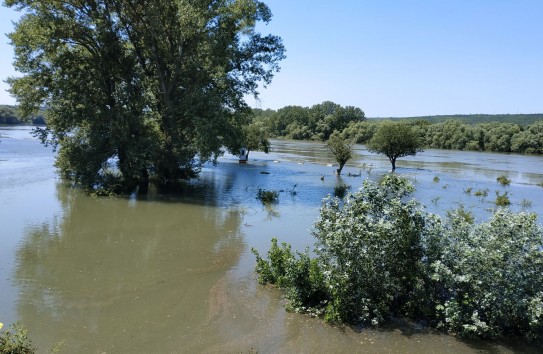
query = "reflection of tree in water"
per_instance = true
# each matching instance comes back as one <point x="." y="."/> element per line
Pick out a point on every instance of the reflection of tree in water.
<point x="112" y="267"/>
<point x="271" y="212"/>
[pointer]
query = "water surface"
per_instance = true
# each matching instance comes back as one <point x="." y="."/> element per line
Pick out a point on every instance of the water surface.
<point x="174" y="273"/>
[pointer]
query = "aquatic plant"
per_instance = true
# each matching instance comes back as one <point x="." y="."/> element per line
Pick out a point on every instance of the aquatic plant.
<point x="503" y="180"/>
<point x="502" y="199"/>
<point x="461" y="213"/>
<point x="340" y="190"/>
<point x="468" y="190"/>
<point x="266" y="196"/>
<point x="525" y="203"/>
<point x="481" y="193"/>
<point x="436" y="179"/>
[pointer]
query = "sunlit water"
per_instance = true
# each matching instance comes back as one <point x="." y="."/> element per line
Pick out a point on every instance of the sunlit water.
<point x="174" y="274"/>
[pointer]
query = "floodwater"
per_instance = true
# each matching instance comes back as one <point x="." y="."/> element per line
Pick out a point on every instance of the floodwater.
<point x="174" y="273"/>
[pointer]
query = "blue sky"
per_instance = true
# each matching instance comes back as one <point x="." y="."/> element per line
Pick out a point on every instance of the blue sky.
<point x="397" y="57"/>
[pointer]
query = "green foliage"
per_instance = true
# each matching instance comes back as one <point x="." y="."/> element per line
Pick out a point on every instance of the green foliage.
<point x="340" y="190"/>
<point x="461" y="213"/>
<point x="309" y="123"/>
<point x="11" y="115"/>
<point x="267" y="197"/>
<point x="502" y="199"/>
<point x="298" y="274"/>
<point x="360" y="132"/>
<point x="394" y="140"/>
<point x="256" y="138"/>
<point x="501" y="133"/>
<point x="481" y="193"/>
<point x="436" y="179"/>
<point x="474" y="119"/>
<point x="503" y="180"/>
<point x="15" y="340"/>
<point x="488" y="278"/>
<point x="149" y="89"/>
<point x="380" y="255"/>
<point x="341" y="149"/>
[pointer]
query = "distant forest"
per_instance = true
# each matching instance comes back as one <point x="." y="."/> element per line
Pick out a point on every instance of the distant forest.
<point x="10" y="115"/>
<point x="521" y="119"/>
<point x="519" y="133"/>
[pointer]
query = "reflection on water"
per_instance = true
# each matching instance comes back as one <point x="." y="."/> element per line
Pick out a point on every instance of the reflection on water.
<point x="109" y="272"/>
<point x="171" y="274"/>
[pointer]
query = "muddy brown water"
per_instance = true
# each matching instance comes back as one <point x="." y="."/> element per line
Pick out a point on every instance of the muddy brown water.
<point x="174" y="273"/>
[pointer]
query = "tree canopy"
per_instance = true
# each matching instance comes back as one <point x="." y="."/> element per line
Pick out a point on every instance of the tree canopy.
<point x="156" y="87"/>
<point x="317" y="122"/>
<point x="342" y="150"/>
<point x="395" y="139"/>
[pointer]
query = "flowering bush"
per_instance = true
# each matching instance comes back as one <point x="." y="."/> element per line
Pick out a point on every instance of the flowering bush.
<point x="490" y="276"/>
<point x="380" y="255"/>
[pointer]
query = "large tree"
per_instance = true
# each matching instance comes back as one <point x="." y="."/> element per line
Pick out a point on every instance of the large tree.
<point x="395" y="139"/>
<point x="140" y="88"/>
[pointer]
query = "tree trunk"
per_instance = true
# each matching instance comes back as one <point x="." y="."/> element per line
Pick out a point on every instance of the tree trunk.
<point x="338" y="171"/>
<point x="393" y="162"/>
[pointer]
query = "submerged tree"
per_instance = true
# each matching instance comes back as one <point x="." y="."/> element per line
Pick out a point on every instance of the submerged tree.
<point x="254" y="138"/>
<point x="395" y="139"/>
<point x="342" y="150"/>
<point x="156" y="87"/>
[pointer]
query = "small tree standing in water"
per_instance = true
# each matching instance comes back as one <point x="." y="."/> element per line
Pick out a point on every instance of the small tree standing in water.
<point x="341" y="149"/>
<point x="395" y="139"/>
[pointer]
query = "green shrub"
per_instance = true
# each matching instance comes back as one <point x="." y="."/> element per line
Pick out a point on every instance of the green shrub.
<point x="488" y="278"/>
<point x="299" y="275"/>
<point x="379" y="255"/>
<point x="462" y="213"/>
<point x="15" y="340"/>
<point x="267" y="197"/>
<point x="502" y="199"/>
<point x="481" y="193"/>
<point x="340" y="190"/>
<point x="503" y="180"/>
<point x="369" y="256"/>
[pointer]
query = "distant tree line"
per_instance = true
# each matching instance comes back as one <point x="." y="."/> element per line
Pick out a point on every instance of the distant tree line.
<point x="309" y="123"/>
<point x="507" y="133"/>
<point x="455" y="135"/>
<point x="10" y="115"/>
<point x="522" y="119"/>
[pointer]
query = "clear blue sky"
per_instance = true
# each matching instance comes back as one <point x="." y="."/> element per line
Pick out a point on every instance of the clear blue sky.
<point x="397" y="57"/>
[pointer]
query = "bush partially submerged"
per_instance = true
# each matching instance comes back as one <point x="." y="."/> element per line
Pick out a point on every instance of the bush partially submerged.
<point x="503" y="180"/>
<point x="380" y="255"/>
<point x="15" y="340"/>
<point x="267" y="197"/>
